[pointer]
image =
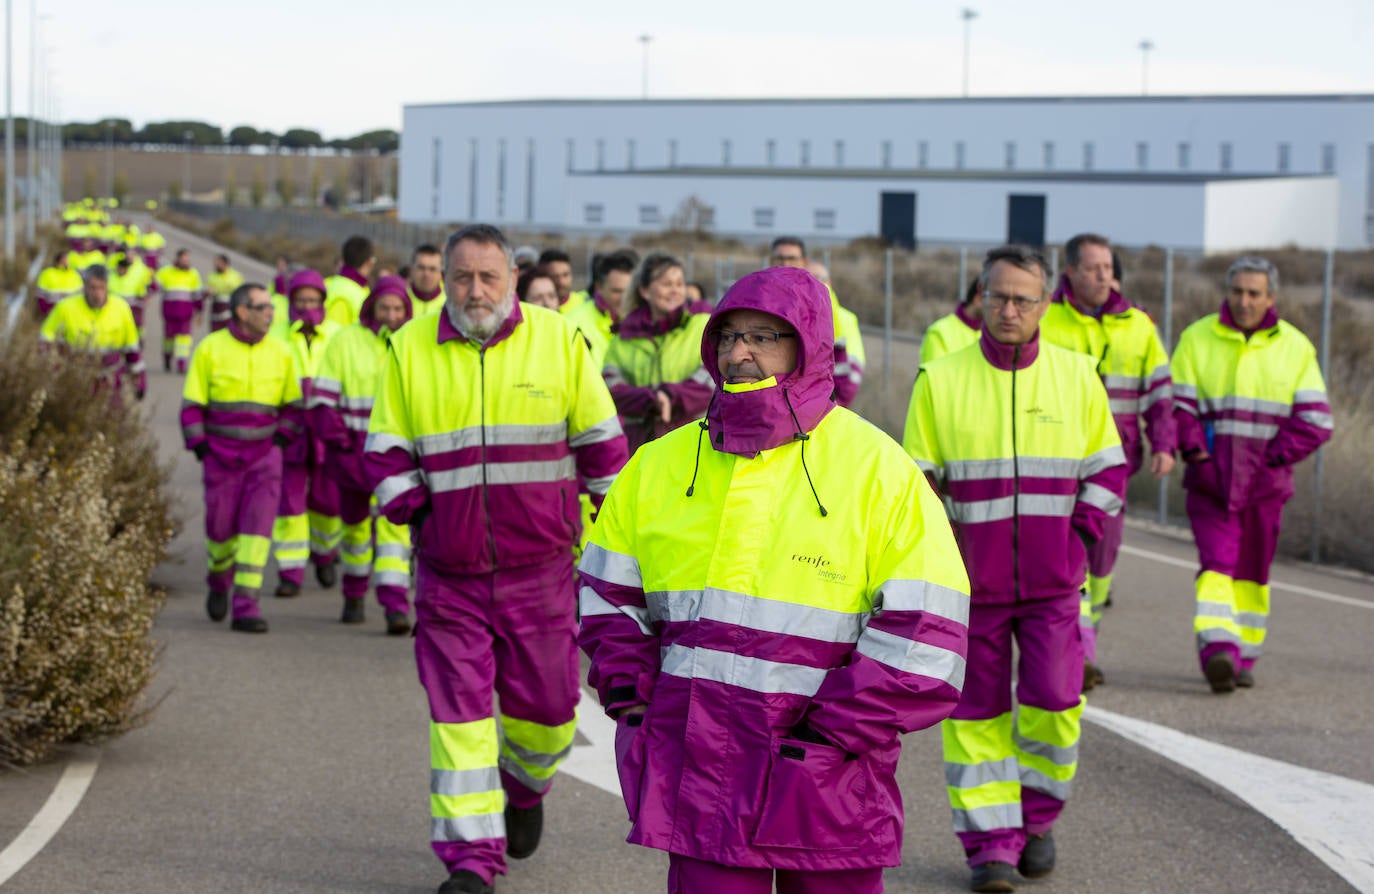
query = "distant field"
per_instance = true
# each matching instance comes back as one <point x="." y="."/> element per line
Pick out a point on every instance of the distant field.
<point x="153" y="175"/>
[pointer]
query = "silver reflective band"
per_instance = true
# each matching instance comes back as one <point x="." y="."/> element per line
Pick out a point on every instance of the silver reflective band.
<point x="545" y="472"/>
<point x="755" y="613"/>
<point x="391" y="578"/>
<point x="922" y="596"/>
<point x="328" y="384"/>
<point x="1252" y="620"/>
<point x="1060" y="756"/>
<point x="1185" y="390"/>
<point x="1150" y="398"/>
<point x="754" y="674"/>
<point x="357" y="550"/>
<point x="1000" y="509"/>
<point x="1025" y="466"/>
<point x="540" y="759"/>
<point x="492" y="436"/>
<point x="1250" y="650"/>
<point x="612" y="567"/>
<point x="291" y="564"/>
<point x="605" y="430"/>
<point x="1208" y="609"/>
<point x="1102" y="460"/>
<point x="985" y="819"/>
<point x="289" y="545"/>
<point x="1123" y="382"/>
<point x="1236" y="428"/>
<point x="1216" y="635"/>
<point x="613" y="376"/>
<point x="467" y="828"/>
<point x="242" y="432"/>
<point x="599" y="486"/>
<point x="912" y="657"/>
<point x="393" y="551"/>
<point x="1099" y="496"/>
<point x="592" y="605"/>
<point x="702" y="377"/>
<point x="378" y="442"/>
<point x="1309" y="396"/>
<point x="194" y="430"/>
<point x="523" y="776"/>
<point x="974" y="775"/>
<point x="241" y="406"/>
<point x="1317" y="419"/>
<point x="393" y="487"/>
<point x="931" y="468"/>
<point x="1123" y="406"/>
<point x="464" y="782"/>
<point x="1038" y="780"/>
<point x="1232" y="403"/>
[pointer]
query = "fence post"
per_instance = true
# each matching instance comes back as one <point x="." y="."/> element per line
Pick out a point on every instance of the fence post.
<point x="887" y="320"/>
<point x="1054" y="264"/>
<point x="825" y="258"/>
<point x="963" y="273"/>
<point x="1327" y="276"/>
<point x="1162" y="500"/>
<point x="691" y="268"/>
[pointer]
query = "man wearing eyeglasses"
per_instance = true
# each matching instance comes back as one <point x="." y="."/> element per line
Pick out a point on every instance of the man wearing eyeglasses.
<point x="241" y="405"/>
<point x="1019" y="436"/>
<point x="760" y="674"/>
<point x="790" y="251"/>
<point x="1089" y="316"/>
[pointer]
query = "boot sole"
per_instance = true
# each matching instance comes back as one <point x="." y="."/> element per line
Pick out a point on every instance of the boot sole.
<point x="1220" y="673"/>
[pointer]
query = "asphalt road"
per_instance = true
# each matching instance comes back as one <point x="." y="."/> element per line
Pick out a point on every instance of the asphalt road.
<point x="297" y="761"/>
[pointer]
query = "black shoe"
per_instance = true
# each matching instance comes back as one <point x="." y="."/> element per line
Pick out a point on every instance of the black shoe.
<point x="524" y="826"/>
<point x="1245" y="679"/>
<point x="1092" y="676"/>
<point x="326" y="575"/>
<point x="1220" y="672"/>
<point x="397" y="624"/>
<point x="1037" y="857"/>
<point x="217" y="605"/>
<point x="249" y="625"/>
<point x="465" y="881"/>
<point x="996" y="877"/>
<point x="353" y="611"/>
<point x="286" y="589"/>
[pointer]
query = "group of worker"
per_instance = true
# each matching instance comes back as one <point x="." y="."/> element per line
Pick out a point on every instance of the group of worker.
<point x="770" y="590"/>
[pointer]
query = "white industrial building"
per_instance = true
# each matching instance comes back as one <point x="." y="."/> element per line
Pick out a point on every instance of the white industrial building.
<point x="1193" y="172"/>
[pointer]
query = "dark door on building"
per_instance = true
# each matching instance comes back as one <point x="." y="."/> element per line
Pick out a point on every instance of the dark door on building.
<point x="1026" y="219"/>
<point x="898" y="224"/>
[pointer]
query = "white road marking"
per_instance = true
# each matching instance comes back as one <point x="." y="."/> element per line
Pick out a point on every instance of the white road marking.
<point x="594" y="763"/>
<point x="1273" y="584"/>
<point x="1329" y="815"/>
<point x="46" y="823"/>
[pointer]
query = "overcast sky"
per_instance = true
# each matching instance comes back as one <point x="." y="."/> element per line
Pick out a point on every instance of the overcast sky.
<point x="347" y="66"/>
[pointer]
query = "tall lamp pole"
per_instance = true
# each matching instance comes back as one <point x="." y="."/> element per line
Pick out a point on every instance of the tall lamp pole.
<point x="31" y="194"/>
<point x="1145" y="47"/>
<point x="968" y="15"/>
<point x="644" y="39"/>
<point x="9" y="129"/>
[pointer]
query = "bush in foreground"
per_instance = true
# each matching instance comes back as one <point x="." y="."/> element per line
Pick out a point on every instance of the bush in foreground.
<point x="85" y="521"/>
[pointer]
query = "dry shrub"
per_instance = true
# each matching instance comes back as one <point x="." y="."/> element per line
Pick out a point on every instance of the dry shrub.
<point x="86" y="520"/>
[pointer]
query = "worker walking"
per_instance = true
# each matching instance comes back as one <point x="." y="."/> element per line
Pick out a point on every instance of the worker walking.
<point x="55" y="283"/>
<point x="99" y="324"/>
<point x="488" y="419"/>
<point x="346" y="290"/>
<point x="221" y="284"/>
<point x="183" y="300"/>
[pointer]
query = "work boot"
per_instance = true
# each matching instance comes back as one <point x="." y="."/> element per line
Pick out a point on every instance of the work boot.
<point x="1245" y="678"/>
<point x="465" y="881"/>
<point x="1037" y="857"/>
<point x="994" y="877"/>
<point x="524" y="826"/>
<point x="286" y="589"/>
<point x="326" y="575"/>
<point x="249" y="625"/>
<point x="397" y="624"/>
<point x="1092" y="676"/>
<point x="217" y="605"/>
<point x="1220" y="672"/>
<point x="353" y="611"/>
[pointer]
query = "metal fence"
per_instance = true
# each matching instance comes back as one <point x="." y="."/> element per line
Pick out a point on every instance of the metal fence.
<point x="898" y="293"/>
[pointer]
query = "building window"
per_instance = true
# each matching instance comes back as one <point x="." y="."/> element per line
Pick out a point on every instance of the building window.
<point x="1010" y="155"/>
<point x="648" y="215"/>
<point x="630" y="154"/>
<point x="593" y="213"/>
<point x="825" y="218"/>
<point x="959" y="155"/>
<point x="1089" y="151"/>
<point x="839" y="153"/>
<point x="1142" y="156"/>
<point x="1328" y="158"/>
<point x="725" y="153"/>
<point x="1049" y="155"/>
<point x="770" y="152"/>
<point x="763" y="218"/>
<point x="806" y="153"/>
<point x="672" y="153"/>
<point x="1225" y="160"/>
<point x="569" y="152"/>
<point x="887" y="153"/>
<point x="1285" y="157"/>
<point x="923" y="154"/>
<point x="601" y="155"/>
<point x="1185" y="156"/>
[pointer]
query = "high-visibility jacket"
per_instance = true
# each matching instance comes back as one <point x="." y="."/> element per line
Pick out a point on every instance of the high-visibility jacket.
<point x="717" y="593"/>
<point x="281" y="316"/>
<point x="424" y="306"/>
<point x="1256" y="405"/>
<point x="107" y="332"/>
<point x="140" y="271"/>
<point x="152" y="244"/>
<point x="1022" y="443"/>
<point x="345" y="389"/>
<point x="649" y="357"/>
<point x="182" y="292"/>
<point x="80" y="260"/>
<point x="132" y="286"/>
<point x="493" y="439"/>
<point x="1131" y="360"/>
<point x="53" y="285"/>
<point x="575" y="300"/>
<point x="594" y="320"/>
<point x="306" y="355"/>
<point x="849" y="353"/>
<point x="77" y="231"/>
<point x="221" y="286"/>
<point x="239" y="395"/>
<point x="948" y="334"/>
<point x="344" y="296"/>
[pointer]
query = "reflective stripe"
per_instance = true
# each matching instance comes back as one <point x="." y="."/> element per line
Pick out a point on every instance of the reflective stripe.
<point x="1217" y="635"/>
<point x="536" y="758"/>
<point x="1121" y="406"/>
<point x="464" y="782"/>
<point x="842" y="369"/>
<point x="1309" y="396"/>
<point x="591" y="605"/>
<point x="362" y="404"/>
<point x="1261" y="430"/>
<point x="1099" y="496"/>
<point x="393" y="551"/>
<point x="1035" y="779"/>
<point x="755" y="613"/>
<point x="1000" y="509"/>
<point x="194" y="430"/>
<point x="545" y="472"/>
<point x="350" y="549"/>
<point x="974" y="775"/>
<point x="1149" y="399"/>
<point x="1055" y="754"/>
<point x="356" y="423"/>
<point x="495" y="435"/>
<point x="1251" y="650"/>
<point x="393" y="487"/>
<point x="1234" y="402"/>
<point x="512" y="767"/>
<point x="1208" y="609"/>
<point x="755" y="674"/>
<point x="602" y="431"/>
<point x="1253" y="620"/>
<point x="613" y="376"/>
<point x="334" y="386"/>
<point x="930" y="468"/>
<point x="612" y="567"/>
<point x="599" y="486"/>
<point x="986" y="819"/>
<point x="912" y="657"/>
<point x="922" y="596"/>
<point x="1027" y="466"/>
<point x="391" y="578"/>
<point x="1123" y="382"/>
<point x="702" y="377"/>
<point x="289" y="545"/>
<point x="377" y="442"/>
<point x="1317" y="419"/>
<point x="242" y="432"/>
<point x="1101" y="461"/>
<point x="467" y="828"/>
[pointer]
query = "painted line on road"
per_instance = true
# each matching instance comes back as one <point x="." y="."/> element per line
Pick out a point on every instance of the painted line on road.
<point x="594" y="763"/>
<point x="1329" y="815"/>
<point x="59" y="807"/>
<point x="1273" y="584"/>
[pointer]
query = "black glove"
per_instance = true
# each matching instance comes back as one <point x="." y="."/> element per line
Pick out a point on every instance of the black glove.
<point x="201" y="451"/>
<point x="419" y="516"/>
<point x="280" y="440"/>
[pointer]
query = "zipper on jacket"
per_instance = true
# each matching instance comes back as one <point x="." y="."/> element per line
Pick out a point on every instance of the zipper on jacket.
<point x="486" y="497"/>
<point x="1015" y="486"/>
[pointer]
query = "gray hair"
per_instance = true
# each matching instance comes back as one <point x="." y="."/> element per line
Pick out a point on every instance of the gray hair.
<point x="1255" y="264"/>
<point x="97" y="272"/>
<point x="1022" y="257"/>
<point x="241" y="296"/>
<point x="482" y="234"/>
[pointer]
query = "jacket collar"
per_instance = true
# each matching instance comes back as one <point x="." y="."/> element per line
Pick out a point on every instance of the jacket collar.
<point x="1006" y="356"/>
<point x="967" y="320"/>
<point x="237" y="332"/>
<point x="348" y="272"/>
<point x="640" y="322"/>
<point x="602" y="306"/>
<point x="1271" y="319"/>
<point x="448" y="331"/>
<point x="1115" y="304"/>
<point x="426" y="296"/>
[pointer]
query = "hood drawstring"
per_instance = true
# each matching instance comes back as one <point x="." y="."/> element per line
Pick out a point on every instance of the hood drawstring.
<point x="696" y="463"/>
<point x="803" y="437"/>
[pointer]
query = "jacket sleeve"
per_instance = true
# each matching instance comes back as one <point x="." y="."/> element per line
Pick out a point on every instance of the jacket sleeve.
<point x="630" y="400"/>
<point x="391" y="461"/>
<point x="1310" y="425"/>
<point x="907" y="670"/>
<point x="594" y="433"/>
<point x="1102" y="474"/>
<point x="195" y="397"/>
<point x="291" y="422"/>
<point x="134" y="366"/>
<point x="1188" y="429"/>
<point x="846" y="384"/>
<point x="616" y="634"/>
<point x="1157" y="398"/>
<point x="692" y="395"/>
<point x="918" y="437"/>
<point x="337" y="309"/>
<point x="326" y="422"/>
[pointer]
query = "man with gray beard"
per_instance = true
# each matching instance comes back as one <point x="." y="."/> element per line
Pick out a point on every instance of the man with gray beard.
<point x="489" y="418"/>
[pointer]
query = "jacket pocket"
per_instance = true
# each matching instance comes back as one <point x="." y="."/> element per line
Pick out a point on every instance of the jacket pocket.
<point x="817" y="798"/>
<point x="629" y="759"/>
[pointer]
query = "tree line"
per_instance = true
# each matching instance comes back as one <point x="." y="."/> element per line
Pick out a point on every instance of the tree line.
<point x="122" y="132"/>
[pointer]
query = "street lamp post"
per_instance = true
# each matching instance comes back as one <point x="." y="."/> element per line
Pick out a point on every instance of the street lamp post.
<point x="9" y="129"/>
<point x="31" y="194"/>
<point x="1145" y="47"/>
<point x="644" y="39"/>
<point x="968" y="16"/>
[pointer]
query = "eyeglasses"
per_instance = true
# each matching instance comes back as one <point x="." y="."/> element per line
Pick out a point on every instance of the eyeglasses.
<point x="1020" y="302"/>
<point x="267" y="306"/>
<point x="756" y="340"/>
